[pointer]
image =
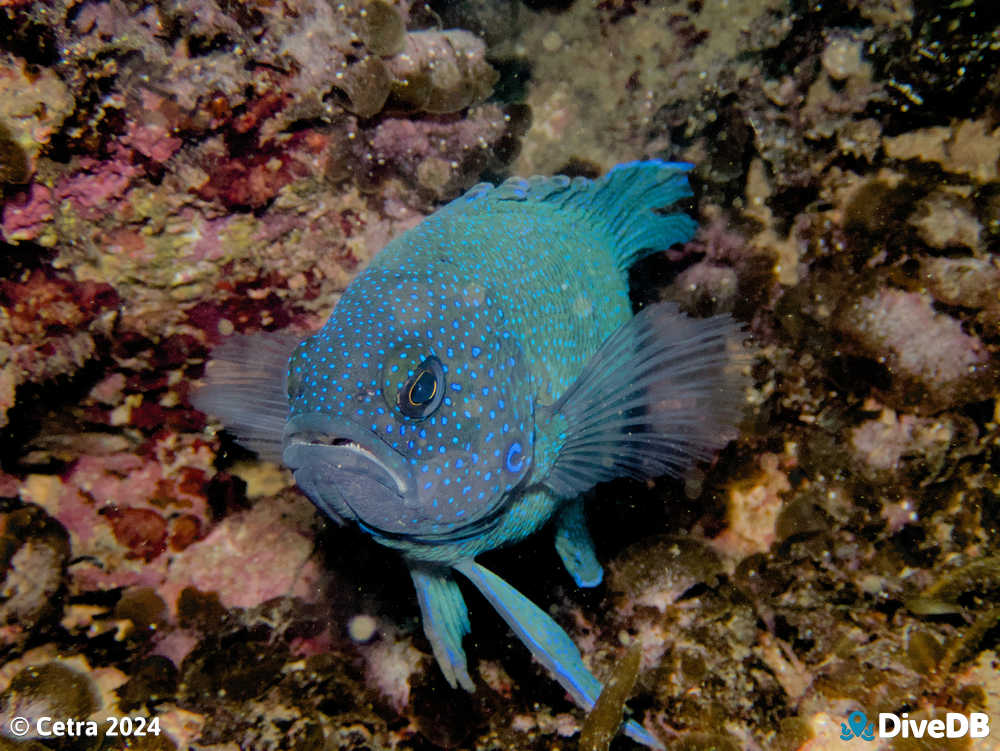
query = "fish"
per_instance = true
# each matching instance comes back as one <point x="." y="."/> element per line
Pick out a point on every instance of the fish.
<point x="479" y="376"/>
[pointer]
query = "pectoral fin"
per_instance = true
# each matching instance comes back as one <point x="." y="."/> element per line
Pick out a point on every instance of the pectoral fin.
<point x="245" y="388"/>
<point x="446" y="621"/>
<point x="661" y="393"/>
<point x="575" y="547"/>
<point x="549" y="644"/>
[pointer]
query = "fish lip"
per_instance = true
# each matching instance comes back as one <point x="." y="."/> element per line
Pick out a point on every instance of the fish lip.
<point x="346" y="447"/>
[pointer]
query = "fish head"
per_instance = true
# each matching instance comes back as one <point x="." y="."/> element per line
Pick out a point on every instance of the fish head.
<point x="411" y="410"/>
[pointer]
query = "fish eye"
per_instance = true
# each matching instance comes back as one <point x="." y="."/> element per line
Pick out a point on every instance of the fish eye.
<point x="423" y="391"/>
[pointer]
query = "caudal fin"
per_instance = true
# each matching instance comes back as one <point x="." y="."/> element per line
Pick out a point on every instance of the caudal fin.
<point x="629" y="200"/>
<point x="628" y="204"/>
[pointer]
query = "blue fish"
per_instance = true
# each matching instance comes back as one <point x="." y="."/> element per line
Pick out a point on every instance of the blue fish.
<point x="483" y="372"/>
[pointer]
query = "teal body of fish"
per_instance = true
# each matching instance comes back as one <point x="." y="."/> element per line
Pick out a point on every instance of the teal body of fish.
<point x="481" y="374"/>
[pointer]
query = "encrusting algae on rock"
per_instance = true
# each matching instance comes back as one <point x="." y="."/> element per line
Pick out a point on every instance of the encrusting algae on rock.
<point x="174" y="174"/>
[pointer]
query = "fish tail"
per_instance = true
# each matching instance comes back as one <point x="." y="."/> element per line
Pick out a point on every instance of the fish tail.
<point x="627" y="204"/>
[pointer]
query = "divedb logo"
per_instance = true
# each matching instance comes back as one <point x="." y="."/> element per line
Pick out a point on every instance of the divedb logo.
<point x="954" y="725"/>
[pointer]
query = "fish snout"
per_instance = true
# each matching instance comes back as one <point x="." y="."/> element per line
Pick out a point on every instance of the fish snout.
<point x="348" y="472"/>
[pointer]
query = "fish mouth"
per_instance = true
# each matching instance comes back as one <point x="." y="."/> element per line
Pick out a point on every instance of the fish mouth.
<point x="348" y="471"/>
<point x="348" y="456"/>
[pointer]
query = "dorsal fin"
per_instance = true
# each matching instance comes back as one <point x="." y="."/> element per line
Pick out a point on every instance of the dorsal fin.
<point x="623" y="203"/>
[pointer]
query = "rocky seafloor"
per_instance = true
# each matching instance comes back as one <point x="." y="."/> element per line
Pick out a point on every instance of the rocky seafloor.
<point x="174" y="172"/>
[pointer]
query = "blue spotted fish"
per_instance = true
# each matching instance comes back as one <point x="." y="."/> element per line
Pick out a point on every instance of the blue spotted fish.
<point x="483" y="372"/>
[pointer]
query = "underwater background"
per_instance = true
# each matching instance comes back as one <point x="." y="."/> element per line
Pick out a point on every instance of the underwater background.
<point x="176" y="172"/>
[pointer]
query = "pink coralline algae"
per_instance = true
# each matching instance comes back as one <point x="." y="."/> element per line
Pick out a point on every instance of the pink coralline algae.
<point x="436" y="154"/>
<point x="254" y="180"/>
<point x="124" y="508"/>
<point x="152" y="136"/>
<point x="231" y="124"/>
<point x="25" y="216"/>
<point x="95" y="185"/>
<point x="921" y="345"/>
<point x="250" y="558"/>
<point x="925" y="343"/>
<point x="90" y="189"/>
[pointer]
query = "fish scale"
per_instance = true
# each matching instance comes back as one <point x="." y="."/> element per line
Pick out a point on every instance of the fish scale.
<point x="482" y="373"/>
<point x="541" y="267"/>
